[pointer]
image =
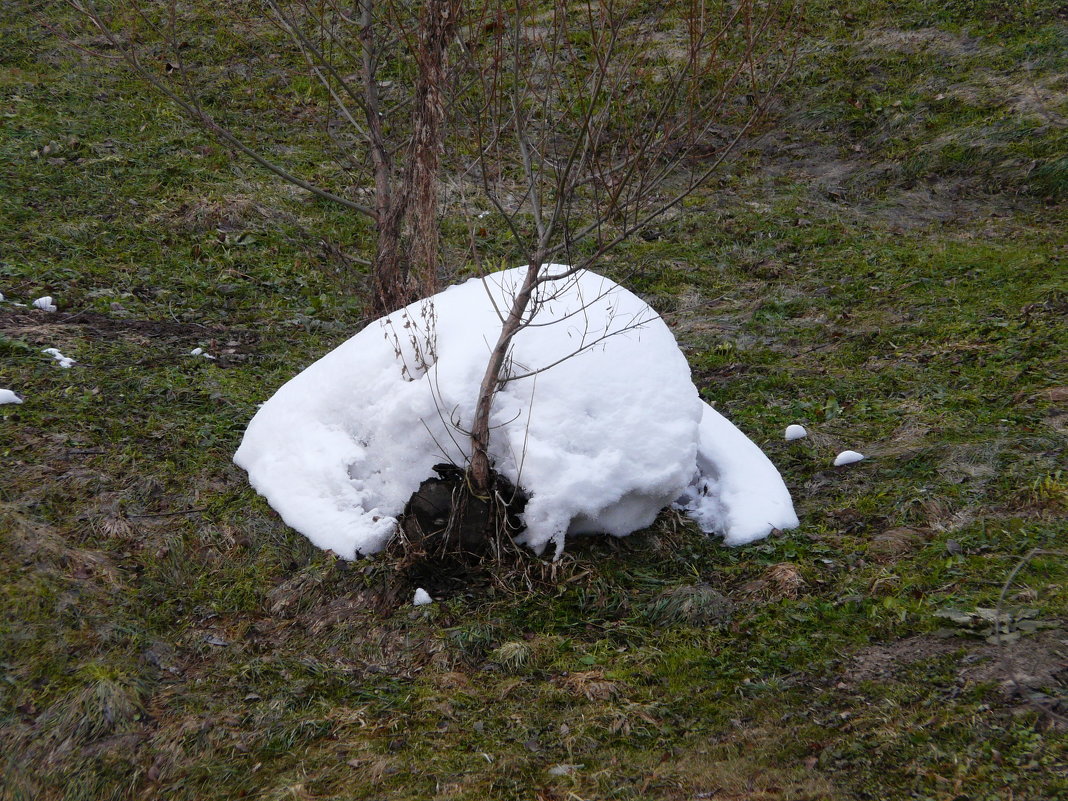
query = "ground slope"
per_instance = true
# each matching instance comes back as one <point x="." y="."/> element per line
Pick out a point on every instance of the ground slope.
<point x="885" y="267"/>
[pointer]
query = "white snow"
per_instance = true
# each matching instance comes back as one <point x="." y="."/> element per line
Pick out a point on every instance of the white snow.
<point x="602" y="441"/>
<point x="736" y="492"/>
<point x="64" y="361"/>
<point x="200" y="352"/>
<point x="795" y="432"/>
<point x="422" y="598"/>
<point x="847" y="457"/>
<point x="7" y="396"/>
<point x="45" y="304"/>
<point x="1" y="296"/>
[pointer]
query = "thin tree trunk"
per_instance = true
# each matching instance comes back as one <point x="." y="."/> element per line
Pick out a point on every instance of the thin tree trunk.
<point x="390" y="268"/>
<point x="436" y="30"/>
<point x="406" y="255"/>
<point x="491" y="380"/>
<point x="391" y="285"/>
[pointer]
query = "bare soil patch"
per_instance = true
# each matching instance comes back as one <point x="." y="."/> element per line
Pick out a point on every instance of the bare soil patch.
<point x="25" y="322"/>
<point x="934" y="40"/>
<point x="1029" y="669"/>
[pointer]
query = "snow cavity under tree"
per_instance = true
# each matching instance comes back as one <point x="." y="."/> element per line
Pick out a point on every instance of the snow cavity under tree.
<point x="598" y="421"/>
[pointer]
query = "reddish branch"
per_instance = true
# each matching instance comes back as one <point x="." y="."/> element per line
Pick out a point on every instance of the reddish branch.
<point x="595" y="147"/>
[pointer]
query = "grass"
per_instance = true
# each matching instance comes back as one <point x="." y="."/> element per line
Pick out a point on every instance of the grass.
<point x="888" y="275"/>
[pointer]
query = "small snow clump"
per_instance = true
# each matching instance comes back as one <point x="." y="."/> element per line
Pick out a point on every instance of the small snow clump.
<point x="600" y="424"/>
<point x="422" y="598"/>
<point x="45" y="304"/>
<point x="564" y="769"/>
<point x="64" y="361"/>
<point x="795" y="432"/>
<point x="200" y="352"/>
<point x="847" y="457"/>
<point x="7" y="396"/>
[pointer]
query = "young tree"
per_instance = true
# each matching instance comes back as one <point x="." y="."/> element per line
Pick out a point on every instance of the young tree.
<point x="593" y="120"/>
<point x="580" y="122"/>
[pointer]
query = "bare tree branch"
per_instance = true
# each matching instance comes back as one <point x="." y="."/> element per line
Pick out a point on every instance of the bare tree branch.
<point x="191" y="107"/>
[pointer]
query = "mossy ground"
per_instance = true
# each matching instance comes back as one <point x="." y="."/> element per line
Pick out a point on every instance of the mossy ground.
<point x="886" y="266"/>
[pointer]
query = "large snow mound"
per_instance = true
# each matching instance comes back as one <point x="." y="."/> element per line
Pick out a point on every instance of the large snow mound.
<point x="600" y="422"/>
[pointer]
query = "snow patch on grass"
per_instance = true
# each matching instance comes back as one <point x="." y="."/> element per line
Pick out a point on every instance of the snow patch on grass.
<point x="64" y="361"/>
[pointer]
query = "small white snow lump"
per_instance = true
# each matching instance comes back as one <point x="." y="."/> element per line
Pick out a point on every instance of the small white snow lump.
<point x="422" y="598"/>
<point x="7" y="396"/>
<point x="601" y="424"/>
<point x="64" y="361"/>
<point x="847" y="457"/>
<point x="795" y="432"/>
<point x="45" y="304"/>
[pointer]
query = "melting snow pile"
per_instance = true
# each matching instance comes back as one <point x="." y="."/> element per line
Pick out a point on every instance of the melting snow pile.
<point x="7" y="396"/>
<point x="600" y="423"/>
